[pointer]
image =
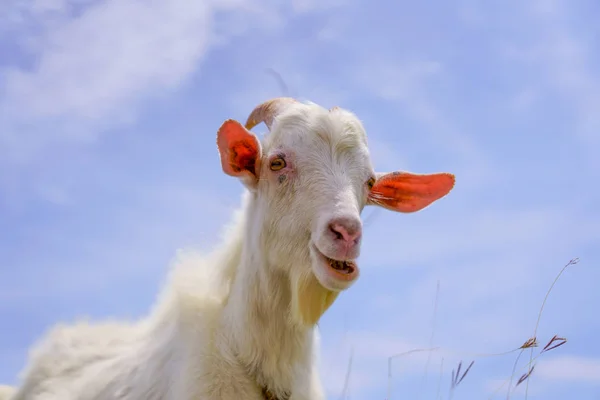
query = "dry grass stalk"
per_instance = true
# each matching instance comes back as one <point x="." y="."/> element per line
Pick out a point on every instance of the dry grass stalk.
<point x="525" y="376"/>
<point x="455" y="377"/>
<point x="571" y="262"/>
<point x="531" y="343"/>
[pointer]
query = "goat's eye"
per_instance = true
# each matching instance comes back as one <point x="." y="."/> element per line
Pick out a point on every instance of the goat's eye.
<point x="371" y="183"/>
<point x="277" y="164"/>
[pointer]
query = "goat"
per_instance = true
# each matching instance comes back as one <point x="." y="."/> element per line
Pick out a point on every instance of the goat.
<point x="6" y="391"/>
<point x="239" y="323"/>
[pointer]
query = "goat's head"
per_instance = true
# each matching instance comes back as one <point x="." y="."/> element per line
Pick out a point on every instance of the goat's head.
<point x="311" y="177"/>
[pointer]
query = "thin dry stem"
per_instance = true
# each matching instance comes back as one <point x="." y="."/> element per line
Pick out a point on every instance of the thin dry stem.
<point x="435" y="308"/>
<point x="531" y="343"/>
<point x="389" y="388"/>
<point x="347" y="380"/>
<point x="439" y="388"/>
<point x="537" y="324"/>
<point x="457" y="378"/>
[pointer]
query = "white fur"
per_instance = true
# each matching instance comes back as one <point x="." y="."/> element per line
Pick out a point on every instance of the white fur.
<point x="243" y="316"/>
<point x="5" y="392"/>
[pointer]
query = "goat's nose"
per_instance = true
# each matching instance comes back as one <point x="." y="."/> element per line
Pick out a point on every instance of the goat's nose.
<point x="347" y="229"/>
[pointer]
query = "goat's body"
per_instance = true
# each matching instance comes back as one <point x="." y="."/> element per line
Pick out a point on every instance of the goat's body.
<point x="184" y="350"/>
<point x="6" y="392"/>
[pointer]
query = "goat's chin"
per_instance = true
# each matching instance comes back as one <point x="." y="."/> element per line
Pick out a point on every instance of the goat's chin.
<point x="310" y="299"/>
<point x="314" y="289"/>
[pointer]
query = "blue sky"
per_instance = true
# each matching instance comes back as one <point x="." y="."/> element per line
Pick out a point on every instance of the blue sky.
<point x="108" y="165"/>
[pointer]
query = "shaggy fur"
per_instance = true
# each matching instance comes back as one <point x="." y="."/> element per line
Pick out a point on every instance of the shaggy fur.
<point x="241" y="318"/>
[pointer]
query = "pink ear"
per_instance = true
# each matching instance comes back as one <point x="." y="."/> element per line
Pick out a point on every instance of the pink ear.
<point x="240" y="151"/>
<point x="406" y="192"/>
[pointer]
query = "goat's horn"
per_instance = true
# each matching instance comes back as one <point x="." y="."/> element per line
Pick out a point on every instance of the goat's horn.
<point x="266" y="111"/>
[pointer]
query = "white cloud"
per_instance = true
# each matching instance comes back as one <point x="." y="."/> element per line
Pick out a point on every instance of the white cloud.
<point x="166" y="217"/>
<point x="370" y="345"/>
<point x="498" y="388"/>
<point x="561" y="55"/>
<point x="399" y="80"/>
<point x="428" y="239"/>
<point x="470" y="14"/>
<point x="384" y="156"/>
<point x="370" y="352"/>
<point x="525" y="99"/>
<point x="569" y="369"/>
<point x="411" y="85"/>
<point x="548" y="374"/>
<point x="101" y="65"/>
<point x="285" y="76"/>
<point x="303" y="6"/>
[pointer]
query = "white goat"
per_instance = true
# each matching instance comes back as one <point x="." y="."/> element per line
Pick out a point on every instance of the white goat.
<point x="239" y="323"/>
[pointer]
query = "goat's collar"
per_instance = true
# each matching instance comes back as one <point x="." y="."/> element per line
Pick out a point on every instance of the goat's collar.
<point x="267" y="395"/>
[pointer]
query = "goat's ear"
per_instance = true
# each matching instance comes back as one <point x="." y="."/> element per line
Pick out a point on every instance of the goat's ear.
<point x="406" y="192"/>
<point x="240" y="152"/>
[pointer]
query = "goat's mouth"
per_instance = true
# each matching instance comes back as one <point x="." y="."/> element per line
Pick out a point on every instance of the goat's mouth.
<point x="343" y="267"/>
<point x="334" y="274"/>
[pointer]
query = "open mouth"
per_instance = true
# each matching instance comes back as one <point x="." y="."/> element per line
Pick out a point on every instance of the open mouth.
<point x="343" y="267"/>
<point x="344" y="270"/>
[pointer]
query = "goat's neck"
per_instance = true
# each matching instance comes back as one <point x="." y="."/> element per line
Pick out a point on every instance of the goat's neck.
<point x="258" y="325"/>
<point x="257" y="317"/>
